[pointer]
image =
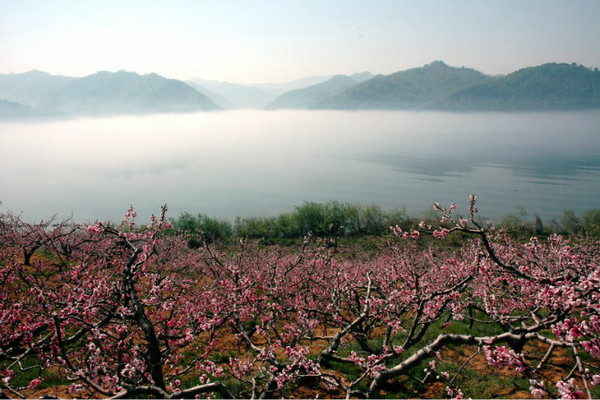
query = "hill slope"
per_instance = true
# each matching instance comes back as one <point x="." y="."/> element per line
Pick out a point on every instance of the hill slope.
<point x="546" y="87"/>
<point x="10" y="109"/>
<point x="235" y="95"/>
<point x="413" y="88"/>
<point x="126" y="93"/>
<point x="29" y="88"/>
<point x="435" y="86"/>
<point x="308" y="97"/>
<point x="215" y="97"/>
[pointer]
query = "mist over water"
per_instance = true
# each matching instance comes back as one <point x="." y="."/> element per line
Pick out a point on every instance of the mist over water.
<point x="259" y="163"/>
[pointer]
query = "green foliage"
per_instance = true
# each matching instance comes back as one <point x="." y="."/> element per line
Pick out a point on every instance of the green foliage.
<point x="587" y="223"/>
<point x="340" y="219"/>
<point x="309" y="96"/>
<point x="590" y="222"/>
<point x="202" y="228"/>
<point x="323" y="219"/>
<point x="315" y="218"/>
<point x="545" y="87"/>
<point x="106" y="93"/>
<point x="254" y="227"/>
<point x="413" y="88"/>
<point x="515" y="223"/>
<point x="551" y="86"/>
<point x="570" y="222"/>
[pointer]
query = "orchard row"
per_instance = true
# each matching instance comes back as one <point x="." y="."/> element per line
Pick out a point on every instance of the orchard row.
<point x="126" y="311"/>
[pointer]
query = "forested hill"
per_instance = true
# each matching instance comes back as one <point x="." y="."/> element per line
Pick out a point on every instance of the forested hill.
<point x="126" y="92"/>
<point x="413" y="88"/>
<point x="546" y="87"/>
<point x="36" y="93"/>
<point x="550" y="86"/>
<point x="435" y="86"/>
<point x="310" y="96"/>
<point x="29" y="88"/>
<point x="10" y="109"/>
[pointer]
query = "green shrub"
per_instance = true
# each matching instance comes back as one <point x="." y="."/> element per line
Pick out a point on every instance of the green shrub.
<point x="202" y="228"/>
<point x="323" y="219"/>
<point x="515" y="223"/>
<point x="590" y="222"/>
<point x="255" y="227"/>
<point x="570" y="222"/>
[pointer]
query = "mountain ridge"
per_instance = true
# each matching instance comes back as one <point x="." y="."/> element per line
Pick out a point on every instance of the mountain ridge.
<point x="235" y="95"/>
<point x="125" y="92"/>
<point x="412" y="88"/>
<point x="434" y="86"/>
<point x="437" y="86"/>
<point x="101" y="93"/>
<point x="305" y="97"/>
<point x="29" y="88"/>
<point x="550" y="86"/>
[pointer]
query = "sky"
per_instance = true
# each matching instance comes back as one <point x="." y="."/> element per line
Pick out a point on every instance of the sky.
<point x="253" y="41"/>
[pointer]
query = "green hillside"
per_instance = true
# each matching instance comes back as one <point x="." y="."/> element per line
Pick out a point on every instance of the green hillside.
<point x="29" y="88"/>
<point x="546" y="87"/>
<point x="126" y="92"/>
<point x="310" y="97"/>
<point x="413" y="88"/>
<point x="435" y="86"/>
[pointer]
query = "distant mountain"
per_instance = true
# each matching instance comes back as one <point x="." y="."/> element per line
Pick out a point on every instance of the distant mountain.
<point x="362" y="76"/>
<point x="309" y="96"/>
<point x="9" y="109"/>
<point x="31" y="87"/>
<point x="126" y="93"/>
<point x="546" y="87"/>
<point x="435" y="86"/>
<point x="277" y="89"/>
<point x="235" y="95"/>
<point x="215" y="97"/>
<point x="413" y="88"/>
<point x="261" y="95"/>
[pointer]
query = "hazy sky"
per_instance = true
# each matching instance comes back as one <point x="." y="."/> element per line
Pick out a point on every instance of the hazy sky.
<point x="251" y="41"/>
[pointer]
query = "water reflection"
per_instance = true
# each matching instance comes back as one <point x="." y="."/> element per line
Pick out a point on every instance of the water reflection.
<point x="262" y="163"/>
<point x="547" y="167"/>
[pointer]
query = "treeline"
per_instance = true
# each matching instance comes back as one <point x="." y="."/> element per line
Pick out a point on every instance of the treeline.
<point x="437" y="86"/>
<point x="320" y="219"/>
<point x="587" y="223"/>
<point x="351" y="220"/>
<point x="549" y="86"/>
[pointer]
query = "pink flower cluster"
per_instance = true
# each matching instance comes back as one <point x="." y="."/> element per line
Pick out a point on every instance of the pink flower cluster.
<point x="124" y="310"/>
<point x="441" y="233"/>
<point x="499" y="356"/>
<point x="404" y="235"/>
<point x="569" y="390"/>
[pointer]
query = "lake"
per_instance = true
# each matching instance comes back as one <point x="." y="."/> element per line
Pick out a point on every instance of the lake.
<point x="261" y="163"/>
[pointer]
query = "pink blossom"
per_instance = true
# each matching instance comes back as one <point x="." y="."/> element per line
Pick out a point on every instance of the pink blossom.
<point x="94" y="228"/>
<point x="500" y="356"/>
<point x="568" y="390"/>
<point x="75" y="388"/>
<point x="34" y="383"/>
<point x="441" y="234"/>
<point x="537" y="389"/>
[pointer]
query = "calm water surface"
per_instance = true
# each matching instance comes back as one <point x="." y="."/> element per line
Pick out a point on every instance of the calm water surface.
<point x="259" y="163"/>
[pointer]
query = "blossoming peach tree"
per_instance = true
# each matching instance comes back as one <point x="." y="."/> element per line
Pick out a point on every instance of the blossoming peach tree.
<point x="125" y="311"/>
